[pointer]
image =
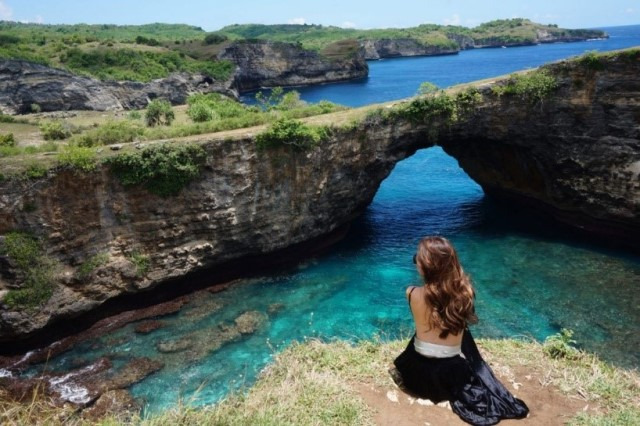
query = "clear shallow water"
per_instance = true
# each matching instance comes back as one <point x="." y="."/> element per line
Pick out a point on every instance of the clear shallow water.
<point x="531" y="278"/>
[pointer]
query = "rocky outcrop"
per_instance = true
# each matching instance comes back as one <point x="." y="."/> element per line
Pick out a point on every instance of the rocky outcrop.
<point x="574" y="154"/>
<point x="24" y="83"/>
<point x="270" y="64"/>
<point x="395" y="47"/>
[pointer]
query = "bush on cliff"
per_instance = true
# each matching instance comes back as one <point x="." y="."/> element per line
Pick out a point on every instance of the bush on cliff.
<point x="35" y="269"/>
<point x="111" y="132"/>
<point x="78" y="158"/>
<point x="534" y="86"/>
<point x="163" y="169"/>
<point x="159" y="112"/>
<point x="293" y="133"/>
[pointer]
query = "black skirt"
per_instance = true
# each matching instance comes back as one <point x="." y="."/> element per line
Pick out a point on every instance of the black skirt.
<point x="468" y="383"/>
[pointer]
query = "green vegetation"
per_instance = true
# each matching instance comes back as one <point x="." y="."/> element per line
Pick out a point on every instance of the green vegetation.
<point x="534" y="86"/>
<point x="318" y="37"/>
<point x="592" y="60"/>
<point x="54" y="130"/>
<point x="112" y="132"/>
<point x="85" y="270"/>
<point x="7" y="140"/>
<point x="427" y="88"/>
<point x="35" y="170"/>
<point x="293" y="133"/>
<point x="215" y="38"/>
<point x="164" y="169"/>
<point x="141" y="262"/>
<point x="78" y="158"/>
<point x="129" y="64"/>
<point x="159" y="112"/>
<point x="140" y="53"/>
<point x="34" y="268"/>
<point x="561" y="345"/>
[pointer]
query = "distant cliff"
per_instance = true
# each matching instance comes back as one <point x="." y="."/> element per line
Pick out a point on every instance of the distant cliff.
<point x="390" y="48"/>
<point x="270" y="64"/>
<point x="24" y="83"/>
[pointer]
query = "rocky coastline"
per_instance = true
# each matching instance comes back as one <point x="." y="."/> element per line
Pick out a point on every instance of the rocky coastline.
<point x="23" y="84"/>
<point x="575" y="152"/>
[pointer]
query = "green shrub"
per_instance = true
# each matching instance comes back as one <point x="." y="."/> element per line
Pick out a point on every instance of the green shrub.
<point x="163" y="169"/>
<point x="534" y="86"/>
<point x="7" y="140"/>
<point x="35" y="108"/>
<point x="200" y="112"/>
<point x="134" y="115"/>
<point x="78" y="158"/>
<point x="159" y="112"/>
<point x="427" y="88"/>
<point x="54" y="130"/>
<point x="141" y="261"/>
<point x="289" y="101"/>
<point x="560" y="345"/>
<point x="215" y="38"/>
<point x="85" y="270"/>
<point x="35" y="268"/>
<point x="111" y="132"/>
<point x="592" y="60"/>
<point x="35" y="170"/>
<point x="294" y="133"/>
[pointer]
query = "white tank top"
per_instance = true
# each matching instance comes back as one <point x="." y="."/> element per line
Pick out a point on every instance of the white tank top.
<point x="434" y="350"/>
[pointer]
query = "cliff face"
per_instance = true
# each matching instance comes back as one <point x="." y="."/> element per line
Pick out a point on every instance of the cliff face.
<point x="575" y="154"/>
<point x="270" y="64"/>
<point x="390" y="48"/>
<point x="246" y="204"/>
<point x="24" y="83"/>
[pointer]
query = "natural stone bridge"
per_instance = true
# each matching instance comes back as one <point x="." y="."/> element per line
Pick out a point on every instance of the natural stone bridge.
<point x="574" y="155"/>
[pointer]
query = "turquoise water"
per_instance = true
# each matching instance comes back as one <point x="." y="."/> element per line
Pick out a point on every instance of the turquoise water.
<point x="532" y="279"/>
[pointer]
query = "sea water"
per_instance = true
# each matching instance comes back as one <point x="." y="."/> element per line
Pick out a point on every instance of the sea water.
<point x="532" y="278"/>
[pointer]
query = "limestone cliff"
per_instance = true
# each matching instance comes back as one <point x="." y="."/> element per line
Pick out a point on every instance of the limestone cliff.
<point x="573" y="153"/>
<point x="390" y="48"/>
<point x="24" y="83"/>
<point x="270" y="64"/>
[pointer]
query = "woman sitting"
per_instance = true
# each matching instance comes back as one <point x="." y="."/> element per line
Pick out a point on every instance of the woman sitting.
<point x="442" y="361"/>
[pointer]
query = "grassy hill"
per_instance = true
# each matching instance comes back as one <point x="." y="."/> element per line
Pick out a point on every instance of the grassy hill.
<point x="503" y="31"/>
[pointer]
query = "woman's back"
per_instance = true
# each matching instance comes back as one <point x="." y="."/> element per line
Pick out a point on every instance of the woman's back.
<point x="426" y="332"/>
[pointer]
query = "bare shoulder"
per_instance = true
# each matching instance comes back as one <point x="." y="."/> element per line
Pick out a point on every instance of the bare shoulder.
<point x="410" y="290"/>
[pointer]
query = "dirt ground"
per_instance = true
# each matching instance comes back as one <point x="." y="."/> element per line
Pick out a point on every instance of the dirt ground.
<point x="547" y="405"/>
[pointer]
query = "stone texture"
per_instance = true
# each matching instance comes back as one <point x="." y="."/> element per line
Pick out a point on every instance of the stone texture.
<point x="271" y="64"/>
<point x="24" y="83"/>
<point x="395" y="47"/>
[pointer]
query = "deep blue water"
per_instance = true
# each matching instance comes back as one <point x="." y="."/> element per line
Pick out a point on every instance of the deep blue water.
<point x="391" y="79"/>
<point x="532" y="279"/>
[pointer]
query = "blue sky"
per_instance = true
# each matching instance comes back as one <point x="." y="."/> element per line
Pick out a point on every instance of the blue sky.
<point x="213" y="14"/>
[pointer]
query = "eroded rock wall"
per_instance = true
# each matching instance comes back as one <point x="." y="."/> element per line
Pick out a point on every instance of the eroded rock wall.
<point x="574" y="155"/>
<point x="24" y="83"/>
<point x="391" y="48"/>
<point x="247" y="203"/>
<point x="271" y="64"/>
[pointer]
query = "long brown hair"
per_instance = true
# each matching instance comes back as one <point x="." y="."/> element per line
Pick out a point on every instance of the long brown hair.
<point x="448" y="290"/>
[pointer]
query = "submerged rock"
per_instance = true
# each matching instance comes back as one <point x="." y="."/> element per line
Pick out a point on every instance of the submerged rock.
<point x="178" y="345"/>
<point x="249" y="322"/>
<point x="148" y="326"/>
<point x="274" y="308"/>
